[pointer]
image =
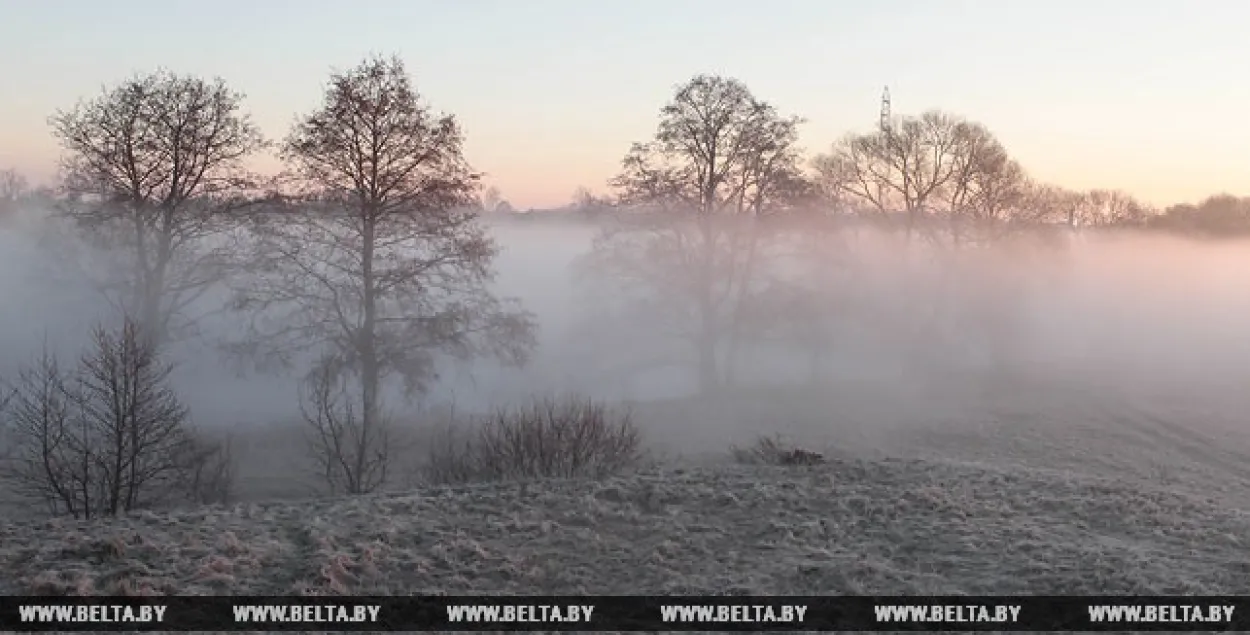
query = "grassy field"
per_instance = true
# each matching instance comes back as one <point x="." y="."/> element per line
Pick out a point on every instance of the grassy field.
<point x="1064" y="493"/>
<point x="885" y="526"/>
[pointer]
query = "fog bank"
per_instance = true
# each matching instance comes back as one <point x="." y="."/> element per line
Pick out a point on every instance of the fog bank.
<point x="916" y="340"/>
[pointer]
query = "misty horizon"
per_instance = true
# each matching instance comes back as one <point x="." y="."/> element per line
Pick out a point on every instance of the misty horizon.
<point x="1135" y="315"/>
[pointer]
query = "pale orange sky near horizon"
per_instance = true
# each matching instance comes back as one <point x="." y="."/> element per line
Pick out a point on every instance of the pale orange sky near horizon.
<point x="1141" y="96"/>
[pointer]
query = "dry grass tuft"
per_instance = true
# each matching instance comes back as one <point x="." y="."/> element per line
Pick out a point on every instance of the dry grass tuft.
<point x="774" y="450"/>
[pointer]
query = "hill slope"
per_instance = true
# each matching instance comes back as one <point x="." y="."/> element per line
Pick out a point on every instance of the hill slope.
<point x="889" y="526"/>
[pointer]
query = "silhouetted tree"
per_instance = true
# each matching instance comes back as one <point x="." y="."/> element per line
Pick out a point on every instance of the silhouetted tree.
<point x="491" y="200"/>
<point x="940" y="173"/>
<point x="950" y="181"/>
<point x="13" y="185"/>
<point x="587" y="202"/>
<point x="896" y="170"/>
<point x="150" y="166"/>
<point x="381" y="267"/>
<point x="720" y="159"/>
<point x="14" y="188"/>
<point x="989" y="192"/>
<point x="108" y="436"/>
<point x="1111" y="208"/>
<point x="1217" y="216"/>
<point x="1057" y="205"/>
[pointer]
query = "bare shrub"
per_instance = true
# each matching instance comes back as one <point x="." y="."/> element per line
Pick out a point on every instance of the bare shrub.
<point x="352" y="455"/>
<point x="452" y="456"/>
<point x="106" y="437"/>
<point x="773" y="450"/>
<point x="549" y="438"/>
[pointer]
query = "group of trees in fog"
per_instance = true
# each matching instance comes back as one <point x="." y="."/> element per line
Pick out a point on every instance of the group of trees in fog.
<point x="731" y="235"/>
<point x="364" y="264"/>
<point x="360" y="265"/>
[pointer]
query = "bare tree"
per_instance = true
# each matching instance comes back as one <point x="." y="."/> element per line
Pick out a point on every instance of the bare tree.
<point x="14" y="188"/>
<point x="1108" y="208"/>
<point x="587" y="202"/>
<point x="106" y="437"/>
<point x="13" y="185"/>
<point x="935" y="172"/>
<point x="689" y="249"/>
<point x="717" y="149"/>
<point x="1216" y="216"/>
<point x="382" y="267"/>
<point x="583" y="198"/>
<point x="897" y="170"/>
<point x="1056" y="205"/>
<point x="491" y="200"/>
<point x="953" y="183"/>
<point x="151" y="165"/>
<point x="49" y="458"/>
<point x="989" y="193"/>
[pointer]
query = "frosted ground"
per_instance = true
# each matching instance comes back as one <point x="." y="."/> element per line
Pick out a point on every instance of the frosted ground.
<point x="1112" y="457"/>
<point x="891" y="527"/>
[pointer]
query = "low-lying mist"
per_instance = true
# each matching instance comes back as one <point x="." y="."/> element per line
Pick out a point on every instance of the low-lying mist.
<point x="1048" y="331"/>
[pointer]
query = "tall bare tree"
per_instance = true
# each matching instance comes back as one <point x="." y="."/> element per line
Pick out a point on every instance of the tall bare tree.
<point x="720" y="159"/>
<point x="150" y="166"/>
<point x="382" y="265"/>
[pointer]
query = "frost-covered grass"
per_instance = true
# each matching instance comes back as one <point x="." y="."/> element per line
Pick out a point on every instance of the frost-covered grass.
<point x="971" y="488"/>
<point x="849" y="526"/>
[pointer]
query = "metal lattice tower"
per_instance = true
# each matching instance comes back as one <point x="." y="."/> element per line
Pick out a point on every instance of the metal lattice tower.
<point x="884" y="124"/>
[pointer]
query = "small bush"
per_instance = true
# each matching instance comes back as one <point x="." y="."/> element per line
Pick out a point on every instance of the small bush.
<point x="549" y="438"/>
<point x="773" y="451"/>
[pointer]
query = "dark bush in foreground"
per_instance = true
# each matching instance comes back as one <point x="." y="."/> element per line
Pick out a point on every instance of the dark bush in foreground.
<point x="108" y="435"/>
<point x="549" y="438"/>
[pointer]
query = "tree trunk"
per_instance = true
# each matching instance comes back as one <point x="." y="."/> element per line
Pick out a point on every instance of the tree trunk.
<point x="153" y="319"/>
<point x="740" y="304"/>
<point x="370" y="372"/>
<point x="708" y="335"/>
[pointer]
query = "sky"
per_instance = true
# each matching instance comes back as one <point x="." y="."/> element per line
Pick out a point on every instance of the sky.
<point x="1147" y="96"/>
